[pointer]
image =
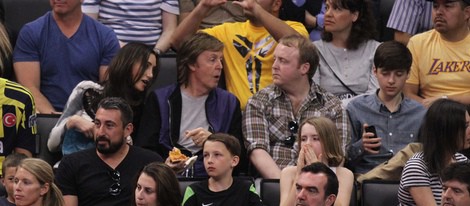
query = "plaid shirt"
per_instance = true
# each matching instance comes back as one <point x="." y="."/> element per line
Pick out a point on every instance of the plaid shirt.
<point x="268" y="112"/>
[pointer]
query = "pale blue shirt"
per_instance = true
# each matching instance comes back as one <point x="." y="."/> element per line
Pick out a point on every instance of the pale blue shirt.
<point x="397" y="129"/>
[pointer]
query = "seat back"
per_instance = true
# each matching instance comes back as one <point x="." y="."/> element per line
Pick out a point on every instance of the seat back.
<point x="353" y="200"/>
<point x="19" y="12"/>
<point x="270" y="192"/>
<point x="167" y="71"/>
<point x="386" y="33"/>
<point x="45" y="123"/>
<point x="379" y="192"/>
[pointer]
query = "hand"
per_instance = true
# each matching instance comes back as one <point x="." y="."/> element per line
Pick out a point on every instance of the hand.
<point x="428" y="101"/>
<point x="310" y="156"/>
<point x="198" y="135"/>
<point x="249" y="6"/>
<point x="178" y="167"/>
<point x="368" y="143"/>
<point x="307" y="156"/>
<point x="82" y="125"/>
<point x="211" y="3"/>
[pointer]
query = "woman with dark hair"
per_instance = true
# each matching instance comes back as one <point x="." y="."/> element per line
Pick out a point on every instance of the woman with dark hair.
<point x="444" y="132"/>
<point x="129" y="75"/>
<point x="157" y="185"/>
<point x="347" y="49"/>
<point x="34" y="184"/>
<point x="319" y="142"/>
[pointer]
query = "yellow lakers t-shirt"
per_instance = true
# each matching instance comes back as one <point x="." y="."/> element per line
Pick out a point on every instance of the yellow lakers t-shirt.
<point x="439" y="67"/>
<point x="248" y="56"/>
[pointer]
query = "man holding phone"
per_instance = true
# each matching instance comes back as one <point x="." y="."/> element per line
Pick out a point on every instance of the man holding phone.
<point x="383" y="123"/>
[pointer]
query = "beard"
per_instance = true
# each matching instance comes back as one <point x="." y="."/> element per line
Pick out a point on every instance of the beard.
<point x="112" y="147"/>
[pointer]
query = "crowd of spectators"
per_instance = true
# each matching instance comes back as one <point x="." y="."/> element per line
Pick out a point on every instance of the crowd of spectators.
<point x="255" y="96"/>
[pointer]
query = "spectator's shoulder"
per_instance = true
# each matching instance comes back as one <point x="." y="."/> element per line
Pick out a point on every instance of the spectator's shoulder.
<point x="412" y="104"/>
<point x="37" y="24"/>
<point x="360" y="100"/>
<point x="225" y="94"/>
<point x="327" y="97"/>
<point x="95" y="23"/>
<point x="265" y="95"/>
<point x="80" y="155"/>
<point x="423" y="37"/>
<point x="166" y="90"/>
<point x="145" y="154"/>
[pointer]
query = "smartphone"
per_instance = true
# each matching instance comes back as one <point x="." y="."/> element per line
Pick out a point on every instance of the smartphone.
<point x="371" y="129"/>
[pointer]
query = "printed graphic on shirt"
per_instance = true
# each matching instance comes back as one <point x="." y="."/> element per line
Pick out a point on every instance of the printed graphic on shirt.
<point x="439" y="66"/>
<point x="9" y="120"/>
<point x="252" y="53"/>
<point x="32" y="121"/>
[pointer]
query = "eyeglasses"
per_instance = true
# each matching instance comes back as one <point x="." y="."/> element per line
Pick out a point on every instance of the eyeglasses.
<point x="293" y="126"/>
<point x="115" y="188"/>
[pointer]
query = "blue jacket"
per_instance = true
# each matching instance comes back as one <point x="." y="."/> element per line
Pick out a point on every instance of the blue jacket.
<point x="160" y="124"/>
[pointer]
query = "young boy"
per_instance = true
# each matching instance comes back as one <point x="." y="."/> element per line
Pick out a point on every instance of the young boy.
<point x="221" y="154"/>
<point x="395" y="117"/>
<point x="8" y="170"/>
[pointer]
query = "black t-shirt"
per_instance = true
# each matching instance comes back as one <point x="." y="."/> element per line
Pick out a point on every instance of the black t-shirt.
<point x="242" y="192"/>
<point x="85" y="175"/>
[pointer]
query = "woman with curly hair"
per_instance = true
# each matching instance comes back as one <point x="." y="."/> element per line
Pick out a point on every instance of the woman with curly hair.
<point x="347" y="49"/>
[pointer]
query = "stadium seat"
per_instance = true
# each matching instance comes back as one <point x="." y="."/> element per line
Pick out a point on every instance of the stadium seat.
<point x="45" y="123"/>
<point x="353" y="201"/>
<point x="379" y="192"/>
<point x="270" y="192"/>
<point x="385" y="33"/>
<point x="167" y="71"/>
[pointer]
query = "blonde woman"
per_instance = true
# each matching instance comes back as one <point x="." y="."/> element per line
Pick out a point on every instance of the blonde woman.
<point x="319" y="142"/>
<point x="6" y="51"/>
<point x="34" y="184"/>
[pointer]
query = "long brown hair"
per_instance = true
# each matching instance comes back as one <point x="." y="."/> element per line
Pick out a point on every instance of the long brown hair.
<point x="329" y="138"/>
<point x="5" y="48"/>
<point x="167" y="186"/>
